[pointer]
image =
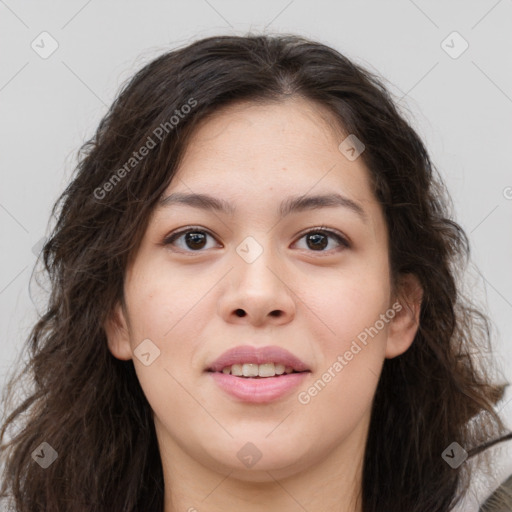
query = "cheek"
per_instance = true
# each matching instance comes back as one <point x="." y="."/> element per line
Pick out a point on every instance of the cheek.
<point x="162" y="302"/>
<point x="335" y="403"/>
<point x="169" y="313"/>
<point x="349" y="303"/>
<point x="348" y="371"/>
<point x="353" y="345"/>
<point x="162" y="317"/>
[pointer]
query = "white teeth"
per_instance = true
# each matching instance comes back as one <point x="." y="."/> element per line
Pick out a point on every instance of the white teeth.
<point x="266" y="370"/>
<point x="279" y="369"/>
<point x="250" y="370"/>
<point x="255" y="370"/>
<point x="236" y="369"/>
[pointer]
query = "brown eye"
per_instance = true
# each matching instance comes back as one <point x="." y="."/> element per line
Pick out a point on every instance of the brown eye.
<point x="195" y="240"/>
<point x="190" y="239"/>
<point x="317" y="240"/>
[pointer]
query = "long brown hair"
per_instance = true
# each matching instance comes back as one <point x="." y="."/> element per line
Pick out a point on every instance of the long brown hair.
<point x="89" y="407"/>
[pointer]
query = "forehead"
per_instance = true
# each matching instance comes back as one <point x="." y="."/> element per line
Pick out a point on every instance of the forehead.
<point x="265" y="125"/>
<point x="291" y="143"/>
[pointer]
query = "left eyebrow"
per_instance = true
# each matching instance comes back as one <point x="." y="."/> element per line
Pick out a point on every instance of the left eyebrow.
<point x="289" y="205"/>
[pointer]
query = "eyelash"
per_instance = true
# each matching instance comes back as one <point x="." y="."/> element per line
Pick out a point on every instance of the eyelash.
<point x="322" y="229"/>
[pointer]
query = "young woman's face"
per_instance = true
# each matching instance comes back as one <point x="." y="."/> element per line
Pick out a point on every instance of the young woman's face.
<point x="260" y="275"/>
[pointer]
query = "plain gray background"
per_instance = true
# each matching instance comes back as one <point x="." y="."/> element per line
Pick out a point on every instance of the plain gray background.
<point x="459" y="102"/>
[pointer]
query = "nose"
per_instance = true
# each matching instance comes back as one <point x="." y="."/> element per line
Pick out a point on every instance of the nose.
<point x="258" y="292"/>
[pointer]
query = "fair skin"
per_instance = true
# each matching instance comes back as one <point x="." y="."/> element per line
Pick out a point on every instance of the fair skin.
<point x="311" y="299"/>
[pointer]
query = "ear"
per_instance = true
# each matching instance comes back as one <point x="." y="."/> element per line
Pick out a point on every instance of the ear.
<point x="117" y="331"/>
<point x="404" y="325"/>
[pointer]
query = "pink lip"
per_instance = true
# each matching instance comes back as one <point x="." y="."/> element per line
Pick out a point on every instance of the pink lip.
<point x="258" y="390"/>
<point x="249" y="354"/>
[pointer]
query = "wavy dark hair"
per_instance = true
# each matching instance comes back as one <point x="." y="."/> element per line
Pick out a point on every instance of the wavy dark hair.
<point x="89" y="406"/>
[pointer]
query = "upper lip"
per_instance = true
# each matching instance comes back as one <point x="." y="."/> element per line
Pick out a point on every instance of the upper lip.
<point x="252" y="355"/>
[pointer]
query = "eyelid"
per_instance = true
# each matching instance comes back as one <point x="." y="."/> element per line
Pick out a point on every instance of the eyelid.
<point x="334" y="233"/>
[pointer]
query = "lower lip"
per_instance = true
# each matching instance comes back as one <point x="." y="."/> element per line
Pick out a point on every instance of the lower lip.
<point x="261" y="390"/>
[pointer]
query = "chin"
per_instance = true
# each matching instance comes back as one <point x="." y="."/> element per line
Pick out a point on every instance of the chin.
<point x="252" y="464"/>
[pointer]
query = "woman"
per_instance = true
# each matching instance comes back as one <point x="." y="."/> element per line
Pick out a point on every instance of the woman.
<point x="254" y="302"/>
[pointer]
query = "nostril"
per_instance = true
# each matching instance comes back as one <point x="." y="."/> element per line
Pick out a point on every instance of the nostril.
<point x="240" y="312"/>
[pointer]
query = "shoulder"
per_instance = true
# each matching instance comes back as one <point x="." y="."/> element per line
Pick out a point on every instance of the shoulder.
<point x="500" y="500"/>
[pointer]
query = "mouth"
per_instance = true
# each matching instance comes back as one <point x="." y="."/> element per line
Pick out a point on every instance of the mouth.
<point x="251" y="362"/>
<point x="258" y="371"/>
<point x="258" y="375"/>
<point x="256" y="389"/>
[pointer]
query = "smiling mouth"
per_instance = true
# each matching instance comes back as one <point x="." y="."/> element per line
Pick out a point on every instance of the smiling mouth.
<point x="258" y="371"/>
<point x="258" y="377"/>
<point x="255" y="388"/>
